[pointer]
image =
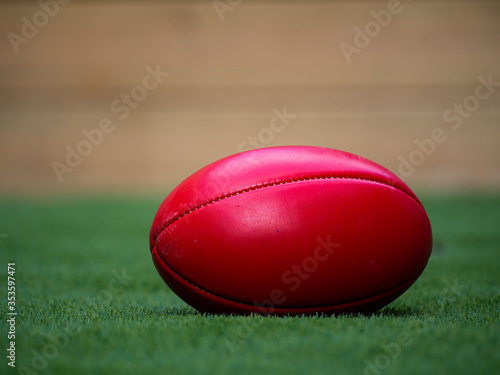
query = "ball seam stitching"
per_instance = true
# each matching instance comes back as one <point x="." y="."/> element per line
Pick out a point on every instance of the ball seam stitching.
<point x="246" y="304"/>
<point x="263" y="185"/>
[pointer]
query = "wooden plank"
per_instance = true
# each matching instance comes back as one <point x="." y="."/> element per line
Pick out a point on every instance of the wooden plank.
<point x="265" y="44"/>
<point x="310" y="101"/>
<point x="158" y="150"/>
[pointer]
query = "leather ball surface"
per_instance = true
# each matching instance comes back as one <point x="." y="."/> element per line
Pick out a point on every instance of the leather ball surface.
<point x="291" y="230"/>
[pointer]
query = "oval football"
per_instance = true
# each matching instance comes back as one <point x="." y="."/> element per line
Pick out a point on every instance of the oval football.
<point x="291" y="230"/>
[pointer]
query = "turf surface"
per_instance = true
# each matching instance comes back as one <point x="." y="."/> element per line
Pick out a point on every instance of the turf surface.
<point x="90" y="301"/>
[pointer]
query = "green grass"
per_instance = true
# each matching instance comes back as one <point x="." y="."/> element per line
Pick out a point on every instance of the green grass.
<point x="85" y="279"/>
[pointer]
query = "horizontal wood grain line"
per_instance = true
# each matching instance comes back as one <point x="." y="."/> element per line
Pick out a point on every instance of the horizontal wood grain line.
<point x="313" y="100"/>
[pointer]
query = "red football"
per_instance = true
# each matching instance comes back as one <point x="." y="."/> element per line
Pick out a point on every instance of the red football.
<point x="291" y="230"/>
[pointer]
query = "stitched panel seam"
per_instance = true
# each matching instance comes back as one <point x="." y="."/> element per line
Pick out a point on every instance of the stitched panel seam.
<point x="266" y="185"/>
<point x="245" y="304"/>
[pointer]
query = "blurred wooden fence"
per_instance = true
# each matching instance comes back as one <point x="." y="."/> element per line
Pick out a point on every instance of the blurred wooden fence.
<point x="229" y="66"/>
